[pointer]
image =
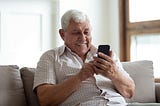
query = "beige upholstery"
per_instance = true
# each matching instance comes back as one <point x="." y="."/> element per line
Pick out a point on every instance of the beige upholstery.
<point x="16" y="84"/>
<point x="28" y="78"/>
<point x="142" y="74"/>
<point x="11" y="86"/>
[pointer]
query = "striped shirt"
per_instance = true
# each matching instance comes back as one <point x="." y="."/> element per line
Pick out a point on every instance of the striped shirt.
<point x="59" y="64"/>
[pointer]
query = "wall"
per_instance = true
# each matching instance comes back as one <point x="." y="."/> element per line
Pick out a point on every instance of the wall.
<point x="27" y="29"/>
<point x="113" y="25"/>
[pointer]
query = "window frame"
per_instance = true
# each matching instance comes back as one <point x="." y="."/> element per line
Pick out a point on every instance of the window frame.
<point x="127" y="29"/>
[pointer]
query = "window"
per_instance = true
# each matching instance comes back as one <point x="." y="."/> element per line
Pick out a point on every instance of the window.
<point x="140" y="31"/>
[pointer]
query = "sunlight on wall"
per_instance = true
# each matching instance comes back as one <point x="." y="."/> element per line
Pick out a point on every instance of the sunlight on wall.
<point x="26" y="31"/>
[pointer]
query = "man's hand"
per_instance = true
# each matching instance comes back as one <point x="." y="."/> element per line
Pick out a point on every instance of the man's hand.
<point x="105" y="65"/>
<point x="86" y="71"/>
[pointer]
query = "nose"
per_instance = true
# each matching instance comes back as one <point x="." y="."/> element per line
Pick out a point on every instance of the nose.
<point x="83" y="37"/>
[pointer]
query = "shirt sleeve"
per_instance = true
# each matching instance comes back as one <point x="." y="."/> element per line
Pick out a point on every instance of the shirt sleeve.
<point x="119" y="64"/>
<point x="45" y="72"/>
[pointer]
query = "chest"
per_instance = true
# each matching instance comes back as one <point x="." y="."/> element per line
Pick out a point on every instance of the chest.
<point x="66" y="67"/>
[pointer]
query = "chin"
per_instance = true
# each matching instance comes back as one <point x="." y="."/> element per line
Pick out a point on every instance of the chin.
<point x="84" y="51"/>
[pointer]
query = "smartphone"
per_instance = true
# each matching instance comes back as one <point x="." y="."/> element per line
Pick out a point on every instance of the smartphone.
<point x="104" y="49"/>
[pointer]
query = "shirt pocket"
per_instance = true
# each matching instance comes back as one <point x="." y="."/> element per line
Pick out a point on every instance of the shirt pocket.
<point x="66" y="70"/>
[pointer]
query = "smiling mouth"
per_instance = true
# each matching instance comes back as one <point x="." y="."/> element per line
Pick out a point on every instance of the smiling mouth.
<point x="81" y="44"/>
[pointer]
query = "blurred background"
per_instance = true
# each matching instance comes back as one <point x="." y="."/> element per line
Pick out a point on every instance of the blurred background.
<point x="28" y="28"/>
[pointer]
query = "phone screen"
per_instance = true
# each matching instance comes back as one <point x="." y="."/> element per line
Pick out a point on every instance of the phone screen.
<point x="104" y="49"/>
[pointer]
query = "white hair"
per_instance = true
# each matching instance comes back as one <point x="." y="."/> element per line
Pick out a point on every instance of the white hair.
<point x="74" y="15"/>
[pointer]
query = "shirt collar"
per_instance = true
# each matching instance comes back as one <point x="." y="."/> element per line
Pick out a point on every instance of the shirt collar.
<point x="92" y="51"/>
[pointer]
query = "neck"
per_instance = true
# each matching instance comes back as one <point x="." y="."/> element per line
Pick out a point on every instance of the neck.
<point x="83" y="58"/>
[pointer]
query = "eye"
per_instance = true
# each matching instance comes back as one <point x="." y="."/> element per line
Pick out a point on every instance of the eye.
<point x="75" y="33"/>
<point x="87" y="33"/>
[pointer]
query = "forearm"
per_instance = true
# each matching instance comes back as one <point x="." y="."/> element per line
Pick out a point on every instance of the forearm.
<point x="56" y="94"/>
<point x="124" y="84"/>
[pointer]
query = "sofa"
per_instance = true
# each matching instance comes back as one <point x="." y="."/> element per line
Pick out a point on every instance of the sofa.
<point x="16" y="85"/>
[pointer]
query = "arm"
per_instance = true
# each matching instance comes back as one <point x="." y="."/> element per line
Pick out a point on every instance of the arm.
<point x="55" y="94"/>
<point x="108" y="68"/>
<point x="124" y="84"/>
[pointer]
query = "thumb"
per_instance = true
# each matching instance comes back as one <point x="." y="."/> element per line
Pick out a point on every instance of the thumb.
<point x="111" y="53"/>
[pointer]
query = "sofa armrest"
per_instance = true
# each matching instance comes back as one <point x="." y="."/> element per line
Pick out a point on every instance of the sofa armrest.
<point x="157" y="88"/>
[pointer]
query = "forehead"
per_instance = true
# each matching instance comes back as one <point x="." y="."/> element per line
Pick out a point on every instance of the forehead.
<point x="79" y="25"/>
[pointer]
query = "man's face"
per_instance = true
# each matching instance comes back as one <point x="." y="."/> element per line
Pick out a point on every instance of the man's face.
<point x="78" y="37"/>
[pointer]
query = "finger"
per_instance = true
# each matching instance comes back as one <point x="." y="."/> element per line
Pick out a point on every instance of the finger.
<point x="103" y="56"/>
<point x="103" y="64"/>
<point x="101" y="61"/>
<point x="111" y="53"/>
<point x="106" y="73"/>
<point x="98" y="70"/>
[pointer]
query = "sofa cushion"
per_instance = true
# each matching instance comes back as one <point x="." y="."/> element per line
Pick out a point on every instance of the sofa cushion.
<point x="157" y="85"/>
<point x="28" y="78"/>
<point x="11" y="86"/>
<point x="142" y="74"/>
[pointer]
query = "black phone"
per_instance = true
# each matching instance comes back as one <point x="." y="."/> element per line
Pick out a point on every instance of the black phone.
<point x="104" y="49"/>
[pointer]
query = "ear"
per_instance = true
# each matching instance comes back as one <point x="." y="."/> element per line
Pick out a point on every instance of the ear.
<point x="61" y="32"/>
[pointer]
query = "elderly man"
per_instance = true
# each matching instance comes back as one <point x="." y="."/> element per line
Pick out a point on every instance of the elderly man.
<point x="72" y="75"/>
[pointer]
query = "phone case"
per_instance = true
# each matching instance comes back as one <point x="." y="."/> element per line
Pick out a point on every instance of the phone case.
<point x="104" y="49"/>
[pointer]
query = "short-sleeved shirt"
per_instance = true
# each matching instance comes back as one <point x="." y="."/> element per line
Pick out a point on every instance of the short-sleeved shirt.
<point x="59" y="64"/>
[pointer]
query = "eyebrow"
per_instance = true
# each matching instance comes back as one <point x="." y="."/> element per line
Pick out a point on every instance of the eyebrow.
<point x="86" y="29"/>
